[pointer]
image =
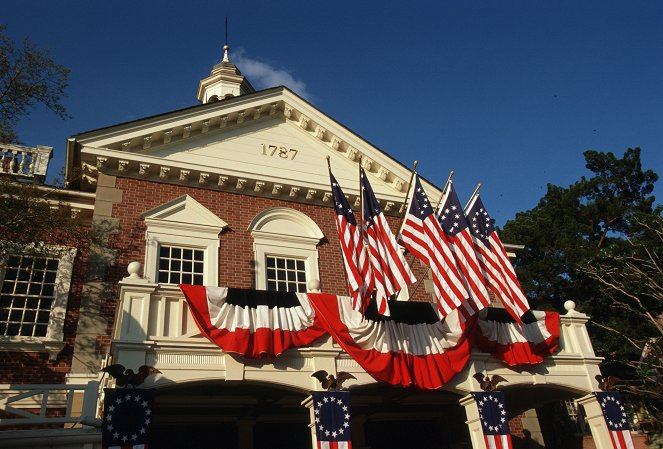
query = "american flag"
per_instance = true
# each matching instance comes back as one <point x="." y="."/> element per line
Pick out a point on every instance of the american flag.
<point x="497" y="268"/>
<point x="423" y="236"/>
<point x="331" y="410"/>
<point x="357" y="266"/>
<point x="614" y="412"/>
<point x="455" y="225"/>
<point x="494" y="422"/>
<point x="391" y="273"/>
<point x="127" y="418"/>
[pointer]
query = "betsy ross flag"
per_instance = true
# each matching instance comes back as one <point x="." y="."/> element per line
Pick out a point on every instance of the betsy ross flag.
<point x="127" y="418"/>
<point x="332" y="419"/>
<point x="423" y="236"/>
<point x="455" y="225"/>
<point x="614" y="412"/>
<point x="391" y="273"/>
<point x="494" y="422"/>
<point x="355" y="257"/>
<point x="497" y="268"/>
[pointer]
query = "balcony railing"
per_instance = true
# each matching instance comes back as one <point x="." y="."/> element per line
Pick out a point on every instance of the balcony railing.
<point x="25" y="162"/>
<point x="41" y="404"/>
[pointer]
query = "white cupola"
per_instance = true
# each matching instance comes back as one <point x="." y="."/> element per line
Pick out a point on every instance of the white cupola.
<point x="225" y="81"/>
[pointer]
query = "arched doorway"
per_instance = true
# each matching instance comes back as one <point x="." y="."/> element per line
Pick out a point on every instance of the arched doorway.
<point x="230" y="415"/>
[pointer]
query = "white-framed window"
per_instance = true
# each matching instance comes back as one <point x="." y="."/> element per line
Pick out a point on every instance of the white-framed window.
<point x="182" y="243"/>
<point x="285" y="243"/>
<point x="181" y="265"/>
<point x="286" y="274"/>
<point x="34" y="289"/>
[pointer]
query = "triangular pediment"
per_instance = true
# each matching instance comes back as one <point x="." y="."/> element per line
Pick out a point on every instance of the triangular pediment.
<point x="270" y="143"/>
<point x="183" y="211"/>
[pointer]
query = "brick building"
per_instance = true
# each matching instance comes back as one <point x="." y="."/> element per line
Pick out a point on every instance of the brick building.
<point x="235" y="192"/>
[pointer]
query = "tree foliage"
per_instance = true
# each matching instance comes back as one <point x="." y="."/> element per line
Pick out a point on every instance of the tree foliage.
<point x="571" y="224"/>
<point x="33" y="216"/>
<point x="599" y="243"/>
<point x="28" y="77"/>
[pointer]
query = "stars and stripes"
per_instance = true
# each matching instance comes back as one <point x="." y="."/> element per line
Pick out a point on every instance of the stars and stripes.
<point x="494" y="421"/>
<point x="391" y="273"/>
<point x="331" y="412"/>
<point x="422" y="235"/>
<point x="614" y="412"/>
<point x="355" y="259"/>
<point x="455" y="225"/>
<point x="496" y="267"/>
<point x="127" y="418"/>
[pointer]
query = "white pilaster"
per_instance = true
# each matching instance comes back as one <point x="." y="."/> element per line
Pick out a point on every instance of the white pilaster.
<point x="596" y="421"/>
<point x="473" y="422"/>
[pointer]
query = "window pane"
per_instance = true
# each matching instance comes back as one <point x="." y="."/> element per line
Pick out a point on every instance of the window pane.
<point x="40" y="330"/>
<point x="52" y="265"/>
<point x="49" y="290"/>
<point x="284" y="274"/>
<point x="177" y="266"/>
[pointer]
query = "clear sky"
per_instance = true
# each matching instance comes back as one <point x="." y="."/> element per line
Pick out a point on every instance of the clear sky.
<point x="506" y="93"/>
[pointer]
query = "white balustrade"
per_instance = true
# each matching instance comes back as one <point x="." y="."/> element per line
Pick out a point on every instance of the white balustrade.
<point x="29" y="162"/>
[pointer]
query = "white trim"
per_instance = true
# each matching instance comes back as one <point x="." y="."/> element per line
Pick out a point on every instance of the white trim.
<point x="53" y="341"/>
<point x="280" y="231"/>
<point x="187" y="223"/>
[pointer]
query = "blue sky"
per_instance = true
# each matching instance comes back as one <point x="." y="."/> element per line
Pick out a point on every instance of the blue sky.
<point x="506" y="93"/>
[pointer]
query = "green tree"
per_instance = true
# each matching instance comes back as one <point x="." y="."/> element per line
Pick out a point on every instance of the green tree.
<point x="599" y="243"/>
<point x="28" y="77"/>
<point x="571" y="224"/>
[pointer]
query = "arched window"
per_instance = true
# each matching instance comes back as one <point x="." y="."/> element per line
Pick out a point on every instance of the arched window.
<point x="285" y="244"/>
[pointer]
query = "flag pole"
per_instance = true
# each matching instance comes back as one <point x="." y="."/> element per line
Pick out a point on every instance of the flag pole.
<point x="475" y="193"/>
<point x="407" y="194"/>
<point x="444" y="190"/>
<point x="361" y="206"/>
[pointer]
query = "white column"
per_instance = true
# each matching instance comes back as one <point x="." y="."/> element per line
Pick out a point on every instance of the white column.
<point x="473" y="422"/>
<point x="596" y="421"/>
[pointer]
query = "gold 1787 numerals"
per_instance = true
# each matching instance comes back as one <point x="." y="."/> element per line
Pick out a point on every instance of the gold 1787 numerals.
<point x="282" y="152"/>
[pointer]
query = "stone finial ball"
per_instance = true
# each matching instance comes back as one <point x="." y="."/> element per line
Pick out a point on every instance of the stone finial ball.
<point x="134" y="269"/>
<point x="314" y="285"/>
<point x="569" y="305"/>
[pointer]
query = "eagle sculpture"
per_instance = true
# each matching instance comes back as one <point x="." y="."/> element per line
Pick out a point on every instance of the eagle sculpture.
<point x="488" y="383"/>
<point x="331" y="383"/>
<point x="124" y="377"/>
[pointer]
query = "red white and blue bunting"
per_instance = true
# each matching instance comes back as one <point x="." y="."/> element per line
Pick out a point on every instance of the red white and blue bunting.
<point x="412" y="347"/>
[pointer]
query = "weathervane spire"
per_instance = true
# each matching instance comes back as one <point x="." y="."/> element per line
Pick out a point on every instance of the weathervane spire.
<point x="226" y="46"/>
